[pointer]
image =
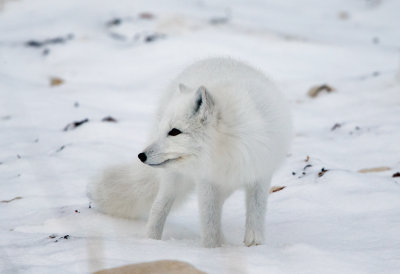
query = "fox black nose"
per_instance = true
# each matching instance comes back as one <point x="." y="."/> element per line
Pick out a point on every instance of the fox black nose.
<point x="142" y="157"/>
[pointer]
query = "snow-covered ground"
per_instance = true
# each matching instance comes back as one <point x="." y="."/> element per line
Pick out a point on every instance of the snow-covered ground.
<point x="115" y="57"/>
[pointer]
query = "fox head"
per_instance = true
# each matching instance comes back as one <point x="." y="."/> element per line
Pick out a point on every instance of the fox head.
<point x="182" y="128"/>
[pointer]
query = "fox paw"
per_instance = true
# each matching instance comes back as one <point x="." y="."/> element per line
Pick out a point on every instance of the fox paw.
<point x="209" y="244"/>
<point x="212" y="242"/>
<point x="253" y="238"/>
<point x="153" y="234"/>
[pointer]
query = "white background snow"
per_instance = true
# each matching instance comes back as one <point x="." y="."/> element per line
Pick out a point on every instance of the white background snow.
<point x="342" y="222"/>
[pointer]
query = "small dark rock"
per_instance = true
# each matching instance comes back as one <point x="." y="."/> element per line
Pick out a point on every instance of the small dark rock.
<point x="344" y="15"/>
<point x="146" y="15"/>
<point x="60" y="148"/>
<point x="223" y="19"/>
<point x="276" y="188"/>
<point x="11" y="200"/>
<point x="336" y="126"/>
<point x="322" y="172"/>
<point x="316" y="90"/>
<point x="219" y="20"/>
<point x="153" y="37"/>
<point x="109" y="119"/>
<point x="117" y="36"/>
<point x="75" y="124"/>
<point x="34" y="43"/>
<point x="397" y="174"/>
<point x="114" y="22"/>
<point x="56" y="40"/>
<point x="307" y="166"/>
<point x="46" y="52"/>
<point x="5" y="118"/>
<point x="56" y="81"/>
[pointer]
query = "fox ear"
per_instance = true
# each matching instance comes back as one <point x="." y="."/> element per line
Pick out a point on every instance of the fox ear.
<point x="204" y="104"/>
<point x="183" y="88"/>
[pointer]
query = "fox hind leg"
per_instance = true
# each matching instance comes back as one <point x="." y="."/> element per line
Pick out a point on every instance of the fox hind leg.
<point x="256" y="206"/>
<point x="210" y="206"/>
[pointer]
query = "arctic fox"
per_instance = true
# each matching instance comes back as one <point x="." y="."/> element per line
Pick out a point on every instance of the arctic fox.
<point x="220" y="126"/>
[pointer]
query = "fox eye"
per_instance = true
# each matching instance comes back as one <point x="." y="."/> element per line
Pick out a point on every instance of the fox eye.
<point x="174" y="132"/>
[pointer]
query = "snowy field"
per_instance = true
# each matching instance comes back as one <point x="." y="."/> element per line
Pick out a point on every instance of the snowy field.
<point x="66" y="61"/>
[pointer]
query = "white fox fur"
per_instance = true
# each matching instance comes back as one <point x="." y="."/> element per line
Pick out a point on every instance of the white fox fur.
<point x="221" y="125"/>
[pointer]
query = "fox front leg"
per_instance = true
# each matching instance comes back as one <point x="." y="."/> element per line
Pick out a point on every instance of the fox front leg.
<point x="256" y="206"/>
<point x="161" y="208"/>
<point x="210" y="206"/>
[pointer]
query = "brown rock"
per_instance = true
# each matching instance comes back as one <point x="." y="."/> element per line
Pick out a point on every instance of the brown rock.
<point x="13" y="199"/>
<point x="276" y="188"/>
<point x="156" y="267"/>
<point x="374" y="169"/>
<point x="56" y="81"/>
<point x="316" y="90"/>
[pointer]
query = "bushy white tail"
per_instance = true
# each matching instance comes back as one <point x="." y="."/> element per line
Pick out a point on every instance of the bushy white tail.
<point x="126" y="191"/>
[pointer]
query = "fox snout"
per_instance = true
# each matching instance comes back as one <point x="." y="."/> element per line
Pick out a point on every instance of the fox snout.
<point x="142" y="157"/>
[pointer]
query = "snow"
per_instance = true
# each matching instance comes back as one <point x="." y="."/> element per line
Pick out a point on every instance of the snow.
<point x="341" y="222"/>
